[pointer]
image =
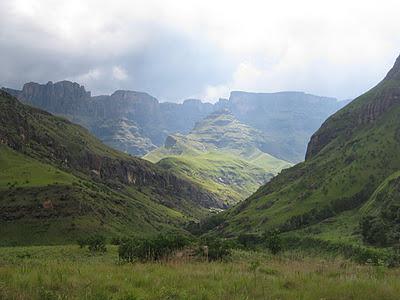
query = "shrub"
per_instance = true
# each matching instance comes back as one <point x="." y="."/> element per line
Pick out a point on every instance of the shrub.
<point x="82" y="243"/>
<point x="97" y="243"/>
<point x="273" y="241"/>
<point x="374" y="231"/>
<point x="216" y="249"/>
<point x="248" y="240"/>
<point x="151" y="249"/>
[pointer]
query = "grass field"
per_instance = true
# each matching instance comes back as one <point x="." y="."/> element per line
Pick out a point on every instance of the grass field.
<point x="68" y="272"/>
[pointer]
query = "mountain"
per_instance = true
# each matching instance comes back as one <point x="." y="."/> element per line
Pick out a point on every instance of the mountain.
<point x="58" y="183"/>
<point x="347" y="190"/>
<point x="287" y="118"/>
<point x="135" y="122"/>
<point x="221" y="154"/>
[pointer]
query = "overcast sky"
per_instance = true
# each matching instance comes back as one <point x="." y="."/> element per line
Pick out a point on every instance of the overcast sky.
<point x="199" y="48"/>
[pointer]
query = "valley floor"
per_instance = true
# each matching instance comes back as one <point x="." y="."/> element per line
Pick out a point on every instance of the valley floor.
<point x="68" y="272"/>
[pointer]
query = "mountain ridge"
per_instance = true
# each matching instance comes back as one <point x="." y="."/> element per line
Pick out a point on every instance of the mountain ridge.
<point x="152" y="121"/>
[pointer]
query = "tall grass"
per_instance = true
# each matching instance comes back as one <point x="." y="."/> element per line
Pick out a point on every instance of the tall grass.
<point x="67" y="272"/>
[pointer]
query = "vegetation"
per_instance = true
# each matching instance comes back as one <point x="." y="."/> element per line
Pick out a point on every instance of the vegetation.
<point x="68" y="272"/>
<point x="152" y="248"/>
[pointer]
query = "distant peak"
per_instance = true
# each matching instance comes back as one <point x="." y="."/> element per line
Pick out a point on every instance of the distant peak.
<point x="394" y="73"/>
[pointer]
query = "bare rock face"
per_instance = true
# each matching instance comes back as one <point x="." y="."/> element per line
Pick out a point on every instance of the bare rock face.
<point x="63" y="97"/>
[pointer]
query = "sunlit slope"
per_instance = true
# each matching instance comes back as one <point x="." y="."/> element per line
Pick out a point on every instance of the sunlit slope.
<point x="222" y="155"/>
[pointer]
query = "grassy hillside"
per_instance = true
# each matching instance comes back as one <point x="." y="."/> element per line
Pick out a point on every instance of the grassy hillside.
<point x="350" y="173"/>
<point x="222" y="155"/>
<point x="58" y="183"/>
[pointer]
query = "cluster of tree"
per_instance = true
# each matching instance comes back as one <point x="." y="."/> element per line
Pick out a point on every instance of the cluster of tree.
<point x="152" y="248"/>
<point x="164" y="245"/>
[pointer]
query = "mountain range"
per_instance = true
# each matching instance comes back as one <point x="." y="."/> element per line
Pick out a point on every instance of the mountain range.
<point x="136" y="123"/>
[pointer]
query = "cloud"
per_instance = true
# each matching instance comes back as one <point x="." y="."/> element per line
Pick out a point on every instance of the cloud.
<point x="176" y="49"/>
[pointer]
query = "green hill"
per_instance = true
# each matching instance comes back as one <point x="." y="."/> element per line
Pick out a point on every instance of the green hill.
<point x="222" y="155"/>
<point x="59" y="183"/>
<point x="347" y="190"/>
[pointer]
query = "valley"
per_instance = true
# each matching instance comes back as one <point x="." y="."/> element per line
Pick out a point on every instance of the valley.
<point x="126" y="197"/>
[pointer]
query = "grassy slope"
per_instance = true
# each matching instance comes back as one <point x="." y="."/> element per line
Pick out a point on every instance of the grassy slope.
<point x="325" y="196"/>
<point x="224" y="174"/>
<point x="19" y="170"/>
<point x="79" y="207"/>
<point x="221" y="155"/>
<point x="49" y="195"/>
<point x="69" y="272"/>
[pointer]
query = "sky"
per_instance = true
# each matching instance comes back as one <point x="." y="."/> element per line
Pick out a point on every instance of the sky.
<point x="204" y="49"/>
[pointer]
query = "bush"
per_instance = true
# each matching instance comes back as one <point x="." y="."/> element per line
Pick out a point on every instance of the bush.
<point x="95" y="243"/>
<point x="273" y="241"/>
<point x="249" y="241"/>
<point x="151" y="249"/>
<point x="216" y="249"/>
<point x="82" y="243"/>
<point x="374" y="231"/>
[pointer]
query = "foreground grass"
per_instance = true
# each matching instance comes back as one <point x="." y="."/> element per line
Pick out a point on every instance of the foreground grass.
<point x="67" y="272"/>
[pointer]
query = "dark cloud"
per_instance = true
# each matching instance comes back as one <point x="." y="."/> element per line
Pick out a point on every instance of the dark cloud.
<point x="168" y="64"/>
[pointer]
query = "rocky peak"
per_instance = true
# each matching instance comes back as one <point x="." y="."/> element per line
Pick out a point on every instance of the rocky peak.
<point x="64" y="97"/>
<point x="61" y="89"/>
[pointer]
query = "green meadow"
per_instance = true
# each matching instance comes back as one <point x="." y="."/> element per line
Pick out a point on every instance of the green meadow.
<point x="69" y="272"/>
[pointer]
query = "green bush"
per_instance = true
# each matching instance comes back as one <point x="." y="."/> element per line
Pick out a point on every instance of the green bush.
<point x="249" y="241"/>
<point x="374" y="231"/>
<point x="273" y="241"/>
<point x="95" y="243"/>
<point x="215" y="249"/>
<point x="151" y="249"/>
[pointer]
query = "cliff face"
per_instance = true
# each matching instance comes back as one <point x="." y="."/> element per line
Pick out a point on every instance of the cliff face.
<point x="63" y="97"/>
